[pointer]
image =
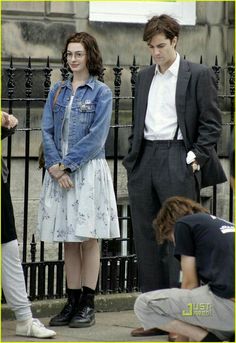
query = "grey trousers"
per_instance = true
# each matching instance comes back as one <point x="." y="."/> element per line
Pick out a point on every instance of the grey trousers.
<point x="160" y="173"/>
<point x="198" y="306"/>
<point x="13" y="282"/>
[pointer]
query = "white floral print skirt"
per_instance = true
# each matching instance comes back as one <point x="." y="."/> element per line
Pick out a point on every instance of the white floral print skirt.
<point x="86" y="211"/>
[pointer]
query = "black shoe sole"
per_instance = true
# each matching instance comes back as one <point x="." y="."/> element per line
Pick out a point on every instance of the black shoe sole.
<point x="81" y="324"/>
<point x="58" y="324"/>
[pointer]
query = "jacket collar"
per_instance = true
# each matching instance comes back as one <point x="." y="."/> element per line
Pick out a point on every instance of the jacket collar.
<point x="174" y="67"/>
<point x="90" y="82"/>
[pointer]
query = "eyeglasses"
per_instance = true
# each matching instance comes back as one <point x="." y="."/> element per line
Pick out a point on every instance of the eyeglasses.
<point x="77" y="55"/>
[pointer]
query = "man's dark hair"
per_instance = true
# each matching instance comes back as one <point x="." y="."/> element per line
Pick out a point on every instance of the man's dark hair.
<point x="161" y="24"/>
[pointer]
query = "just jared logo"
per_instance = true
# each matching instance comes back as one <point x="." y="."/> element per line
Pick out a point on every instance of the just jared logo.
<point x="201" y="309"/>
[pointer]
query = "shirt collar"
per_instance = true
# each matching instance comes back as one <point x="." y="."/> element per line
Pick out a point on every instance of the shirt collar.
<point x="173" y="69"/>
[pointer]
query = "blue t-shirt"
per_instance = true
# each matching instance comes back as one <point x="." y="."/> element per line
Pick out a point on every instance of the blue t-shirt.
<point x="211" y="241"/>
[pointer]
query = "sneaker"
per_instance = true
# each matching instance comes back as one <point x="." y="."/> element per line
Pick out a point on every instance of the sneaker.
<point x="34" y="329"/>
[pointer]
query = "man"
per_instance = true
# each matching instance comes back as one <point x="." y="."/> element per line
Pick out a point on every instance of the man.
<point x="13" y="282"/>
<point x="177" y="124"/>
<point x="203" y="310"/>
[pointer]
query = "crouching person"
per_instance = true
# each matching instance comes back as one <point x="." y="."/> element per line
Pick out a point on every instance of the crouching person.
<point x="203" y="309"/>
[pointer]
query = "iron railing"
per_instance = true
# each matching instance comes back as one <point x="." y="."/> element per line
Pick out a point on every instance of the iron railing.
<point x="118" y="273"/>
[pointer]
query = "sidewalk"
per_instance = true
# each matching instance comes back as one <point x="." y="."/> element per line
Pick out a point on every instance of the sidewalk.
<point x="114" y="321"/>
<point x="109" y="327"/>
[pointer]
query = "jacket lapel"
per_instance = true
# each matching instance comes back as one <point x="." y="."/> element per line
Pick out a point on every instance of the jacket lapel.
<point x="147" y="84"/>
<point x="145" y="87"/>
<point x="180" y="97"/>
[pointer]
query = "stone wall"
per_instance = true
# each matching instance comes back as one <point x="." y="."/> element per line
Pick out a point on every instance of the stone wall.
<point x="39" y="29"/>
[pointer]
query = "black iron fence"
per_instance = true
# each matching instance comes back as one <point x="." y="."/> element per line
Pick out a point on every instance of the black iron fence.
<point x="118" y="273"/>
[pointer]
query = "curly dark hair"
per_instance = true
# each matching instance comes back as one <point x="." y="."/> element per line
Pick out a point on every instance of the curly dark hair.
<point x="94" y="58"/>
<point x="173" y="209"/>
<point x="161" y="24"/>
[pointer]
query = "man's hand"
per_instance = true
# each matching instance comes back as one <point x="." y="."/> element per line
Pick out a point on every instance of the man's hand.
<point x="8" y="120"/>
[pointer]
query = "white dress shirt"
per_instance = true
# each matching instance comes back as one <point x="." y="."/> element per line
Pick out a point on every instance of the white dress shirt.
<point x="161" y="115"/>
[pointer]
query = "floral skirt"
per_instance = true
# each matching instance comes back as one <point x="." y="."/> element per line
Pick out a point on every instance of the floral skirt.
<point x="88" y="210"/>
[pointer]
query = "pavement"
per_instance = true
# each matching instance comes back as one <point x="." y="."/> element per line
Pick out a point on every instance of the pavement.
<point x="114" y="321"/>
<point x="109" y="327"/>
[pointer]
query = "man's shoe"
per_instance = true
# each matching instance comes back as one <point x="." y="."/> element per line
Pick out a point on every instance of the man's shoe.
<point x="210" y="337"/>
<point x="34" y="329"/>
<point x="84" y="318"/>
<point x="140" y="332"/>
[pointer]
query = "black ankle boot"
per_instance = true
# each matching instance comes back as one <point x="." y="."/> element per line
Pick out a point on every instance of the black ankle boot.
<point x="68" y="311"/>
<point x="210" y="337"/>
<point x="85" y="316"/>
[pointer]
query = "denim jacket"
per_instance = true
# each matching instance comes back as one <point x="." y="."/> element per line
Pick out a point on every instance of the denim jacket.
<point x="88" y="126"/>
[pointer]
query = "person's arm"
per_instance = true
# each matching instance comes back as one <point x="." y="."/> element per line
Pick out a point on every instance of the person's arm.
<point x="47" y="127"/>
<point x="210" y="116"/>
<point x="189" y="281"/>
<point x="189" y="270"/>
<point x="131" y="136"/>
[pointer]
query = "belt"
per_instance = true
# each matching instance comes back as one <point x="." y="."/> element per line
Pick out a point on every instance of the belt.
<point x="167" y="142"/>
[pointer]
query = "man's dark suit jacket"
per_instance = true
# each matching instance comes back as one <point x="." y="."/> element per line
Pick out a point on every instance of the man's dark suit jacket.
<point x="198" y="115"/>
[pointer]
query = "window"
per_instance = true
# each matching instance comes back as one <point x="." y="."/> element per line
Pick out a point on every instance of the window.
<point x="140" y="12"/>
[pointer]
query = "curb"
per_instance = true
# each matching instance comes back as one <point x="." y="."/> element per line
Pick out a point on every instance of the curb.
<point x="103" y="303"/>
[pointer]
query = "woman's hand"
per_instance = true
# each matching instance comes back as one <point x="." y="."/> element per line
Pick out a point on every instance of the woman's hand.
<point x="55" y="172"/>
<point x="65" y="181"/>
<point x="61" y="176"/>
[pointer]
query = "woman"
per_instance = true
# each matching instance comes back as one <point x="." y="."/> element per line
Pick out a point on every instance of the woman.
<point x="77" y="204"/>
<point x="13" y="281"/>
